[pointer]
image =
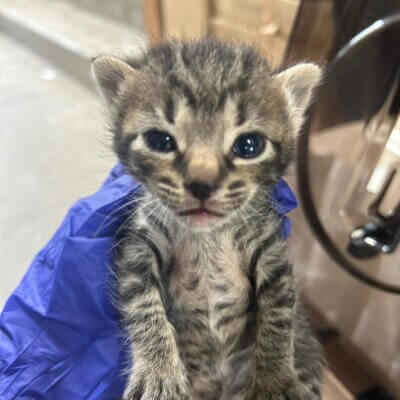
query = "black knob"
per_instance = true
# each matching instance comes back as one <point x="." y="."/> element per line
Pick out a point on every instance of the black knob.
<point x="374" y="238"/>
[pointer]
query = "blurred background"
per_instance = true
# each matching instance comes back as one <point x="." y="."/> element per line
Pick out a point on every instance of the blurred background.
<point x="54" y="148"/>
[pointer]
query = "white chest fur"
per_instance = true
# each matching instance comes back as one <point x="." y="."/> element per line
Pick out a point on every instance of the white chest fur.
<point x="210" y="274"/>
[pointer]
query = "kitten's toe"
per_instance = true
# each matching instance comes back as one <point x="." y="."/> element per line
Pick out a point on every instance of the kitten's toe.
<point x="152" y="387"/>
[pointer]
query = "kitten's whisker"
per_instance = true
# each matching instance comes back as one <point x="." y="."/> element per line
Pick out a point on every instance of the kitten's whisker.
<point x="167" y="182"/>
<point x="112" y="216"/>
<point x="256" y="213"/>
<point x="157" y="208"/>
<point x="235" y="193"/>
<point x="238" y="200"/>
<point x="167" y="189"/>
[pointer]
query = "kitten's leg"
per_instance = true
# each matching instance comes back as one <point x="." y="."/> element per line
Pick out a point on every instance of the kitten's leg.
<point x="157" y="372"/>
<point x="276" y="377"/>
<point x="308" y="362"/>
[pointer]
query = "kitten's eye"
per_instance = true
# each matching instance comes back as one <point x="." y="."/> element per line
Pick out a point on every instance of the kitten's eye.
<point x="160" y="141"/>
<point x="249" y="145"/>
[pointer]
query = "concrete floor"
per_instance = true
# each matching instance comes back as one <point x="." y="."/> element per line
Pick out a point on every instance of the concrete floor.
<point x="53" y="150"/>
<point x="88" y="32"/>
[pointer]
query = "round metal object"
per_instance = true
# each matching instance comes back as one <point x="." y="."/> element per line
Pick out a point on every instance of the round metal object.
<point x="344" y="137"/>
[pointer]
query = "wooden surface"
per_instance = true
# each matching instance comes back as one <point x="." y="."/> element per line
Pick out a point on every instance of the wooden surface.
<point x="182" y="18"/>
<point x="333" y="388"/>
<point x="264" y="24"/>
<point x="273" y="47"/>
<point x="152" y="19"/>
<point x="247" y="13"/>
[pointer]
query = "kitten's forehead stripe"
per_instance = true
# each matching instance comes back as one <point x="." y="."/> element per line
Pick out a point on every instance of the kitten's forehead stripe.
<point x="185" y="56"/>
<point x="248" y="59"/>
<point x="169" y="110"/>
<point x="221" y="101"/>
<point x="165" y="56"/>
<point x="241" y="112"/>
<point x="183" y="88"/>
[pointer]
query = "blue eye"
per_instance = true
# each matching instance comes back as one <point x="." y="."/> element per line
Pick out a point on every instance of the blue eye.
<point x="160" y="141"/>
<point x="249" y="145"/>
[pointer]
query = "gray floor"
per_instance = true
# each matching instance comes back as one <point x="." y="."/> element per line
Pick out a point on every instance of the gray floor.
<point x="53" y="150"/>
<point x="74" y="26"/>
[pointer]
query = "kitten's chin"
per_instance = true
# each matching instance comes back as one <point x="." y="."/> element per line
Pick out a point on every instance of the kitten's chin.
<point x="201" y="221"/>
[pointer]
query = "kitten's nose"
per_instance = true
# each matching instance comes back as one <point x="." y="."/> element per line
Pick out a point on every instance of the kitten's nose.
<point x="201" y="190"/>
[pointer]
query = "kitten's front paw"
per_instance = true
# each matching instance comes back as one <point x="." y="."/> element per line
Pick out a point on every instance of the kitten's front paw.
<point x="284" y="395"/>
<point x="287" y="395"/>
<point x="275" y="396"/>
<point x="153" y="387"/>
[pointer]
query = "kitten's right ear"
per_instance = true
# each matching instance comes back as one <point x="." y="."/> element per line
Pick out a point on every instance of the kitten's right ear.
<point x="298" y="83"/>
<point x="110" y="73"/>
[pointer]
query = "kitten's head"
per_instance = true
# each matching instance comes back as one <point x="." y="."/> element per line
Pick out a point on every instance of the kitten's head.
<point x="204" y="125"/>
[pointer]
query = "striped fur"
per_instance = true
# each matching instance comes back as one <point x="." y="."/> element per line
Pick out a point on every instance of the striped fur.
<point x="210" y="312"/>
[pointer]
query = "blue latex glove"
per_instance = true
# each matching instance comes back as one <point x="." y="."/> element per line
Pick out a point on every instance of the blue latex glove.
<point x="59" y="333"/>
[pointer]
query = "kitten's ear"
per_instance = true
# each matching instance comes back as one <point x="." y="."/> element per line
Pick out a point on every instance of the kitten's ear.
<point x="110" y="73"/>
<point x="298" y="83"/>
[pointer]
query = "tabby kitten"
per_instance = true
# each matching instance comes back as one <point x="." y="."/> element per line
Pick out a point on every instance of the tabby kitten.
<point x="205" y="287"/>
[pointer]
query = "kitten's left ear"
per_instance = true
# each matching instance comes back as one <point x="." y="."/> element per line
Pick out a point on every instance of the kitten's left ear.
<point x="110" y="74"/>
<point x="298" y="83"/>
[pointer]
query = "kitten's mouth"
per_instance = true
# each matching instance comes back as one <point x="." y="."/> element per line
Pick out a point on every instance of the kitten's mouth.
<point x="200" y="211"/>
<point x="201" y="215"/>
